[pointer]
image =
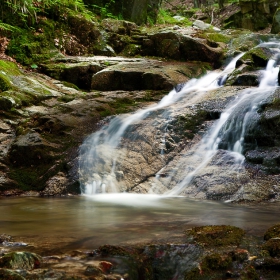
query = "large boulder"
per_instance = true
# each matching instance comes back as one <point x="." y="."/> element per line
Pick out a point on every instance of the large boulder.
<point x="174" y="45"/>
<point x="78" y="73"/>
<point x="106" y="73"/>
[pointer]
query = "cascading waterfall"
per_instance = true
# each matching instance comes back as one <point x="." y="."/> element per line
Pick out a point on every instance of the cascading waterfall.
<point x="228" y="132"/>
<point x="100" y="155"/>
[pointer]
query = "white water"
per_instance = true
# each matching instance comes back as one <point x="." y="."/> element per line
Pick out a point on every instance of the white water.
<point x="102" y="146"/>
<point x="232" y="125"/>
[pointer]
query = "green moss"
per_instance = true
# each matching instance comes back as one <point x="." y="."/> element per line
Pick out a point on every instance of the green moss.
<point x="27" y="178"/>
<point x="5" y="83"/>
<point x="164" y="17"/>
<point x="272" y="232"/>
<point x="131" y="50"/>
<point x="215" y="262"/>
<point x="30" y="47"/>
<point x="216" y="37"/>
<point x="66" y="98"/>
<point x="275" y="103"/>
<point x="20" y="260"/>
<point x="257" y="56"/>
<point x="273" y="247"/>
<point x="194" y="274"/>
<point x="120" y="106"/>
<point x="212" y="266"/>
<point x="9" y="67"/>
<point x="216" y="235"/>
<point x="7" y="71"/>
<point x="249" y="273"/>
<point x="70" y="85"/>
<point x="188" y="125"/>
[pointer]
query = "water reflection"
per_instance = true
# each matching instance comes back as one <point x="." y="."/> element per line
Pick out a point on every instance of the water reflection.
<point x="87" y="222"/>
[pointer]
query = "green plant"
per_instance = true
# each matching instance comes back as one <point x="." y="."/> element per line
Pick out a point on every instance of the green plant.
<point x="8" y="27"/>
<point x="24" y="10"/>
<point x="105" y="12"/>
<point x="164" y="17"/>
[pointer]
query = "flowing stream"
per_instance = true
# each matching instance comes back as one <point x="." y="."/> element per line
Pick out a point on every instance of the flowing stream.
<point x="101" y="155"/>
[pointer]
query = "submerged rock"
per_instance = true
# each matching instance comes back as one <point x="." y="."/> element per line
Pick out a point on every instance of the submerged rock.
<point x="215" y="236"/>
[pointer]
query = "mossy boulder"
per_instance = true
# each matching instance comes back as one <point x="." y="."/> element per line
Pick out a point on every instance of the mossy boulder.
<point x="221" y="235"/>
<point x="131" y="50"/>
<point x="212" y="266"/>
<point x="250" y="273"/>
<point x="257" y="57"/>
<point x="21" y="260"/>
<point x="273" y="247"/>
<point x="272" y="232"/>
<point x="215" y="261"/>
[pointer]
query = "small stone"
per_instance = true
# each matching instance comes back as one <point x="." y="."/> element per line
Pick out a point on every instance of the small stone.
<point x="105" y="266"/>
<point x="179" y="18"/>
<point x="93" y="271"/>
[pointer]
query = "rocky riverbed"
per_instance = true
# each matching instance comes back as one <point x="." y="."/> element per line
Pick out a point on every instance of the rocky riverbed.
<point x="205" y="252"/>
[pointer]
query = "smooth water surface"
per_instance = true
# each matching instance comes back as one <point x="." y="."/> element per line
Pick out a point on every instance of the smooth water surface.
<point x="88" y="222"/>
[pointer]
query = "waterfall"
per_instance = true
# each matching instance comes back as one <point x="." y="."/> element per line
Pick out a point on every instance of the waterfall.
<point x="100" y="153"/>
<point x="228" y="132"/>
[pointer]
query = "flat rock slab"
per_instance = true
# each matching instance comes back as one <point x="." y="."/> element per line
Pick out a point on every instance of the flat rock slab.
<point x="118" y="73"/>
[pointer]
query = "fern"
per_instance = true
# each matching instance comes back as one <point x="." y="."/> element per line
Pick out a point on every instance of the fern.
<point x="8" y="27"/>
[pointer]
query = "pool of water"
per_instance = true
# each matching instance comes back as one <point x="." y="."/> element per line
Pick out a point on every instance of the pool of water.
<point x="63" y="224"/>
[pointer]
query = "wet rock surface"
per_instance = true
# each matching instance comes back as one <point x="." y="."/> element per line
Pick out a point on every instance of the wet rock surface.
<point x="107" y="74"/>
<point x="46" y="120"/>
<point x="202" y="252"/>
<point x="49" y="119"/>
